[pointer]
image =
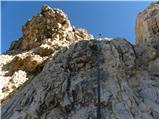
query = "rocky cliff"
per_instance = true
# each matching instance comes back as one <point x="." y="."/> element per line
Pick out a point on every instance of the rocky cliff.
<point x="52" y="71"/>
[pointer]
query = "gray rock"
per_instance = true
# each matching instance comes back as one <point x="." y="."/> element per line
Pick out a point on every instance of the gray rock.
<point x="66" y="85"/>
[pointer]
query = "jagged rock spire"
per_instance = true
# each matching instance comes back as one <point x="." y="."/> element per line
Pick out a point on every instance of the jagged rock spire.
<point x="51" y="27"/>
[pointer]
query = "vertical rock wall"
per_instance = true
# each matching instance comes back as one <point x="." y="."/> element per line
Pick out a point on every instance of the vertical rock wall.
<point x="147" y="25"/>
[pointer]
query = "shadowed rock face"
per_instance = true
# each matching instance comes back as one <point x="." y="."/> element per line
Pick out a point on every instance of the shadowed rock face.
<point x="64" y="84"/>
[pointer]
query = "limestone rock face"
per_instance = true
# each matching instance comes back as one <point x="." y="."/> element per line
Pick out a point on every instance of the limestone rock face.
<point x="57" y="77"/>
<point x="11" y="83"/>
<point x="28" y="63"/>
<point x="43" y="35"/>
<point x="66" y="87"/>
<point x="147" y="25"/>
<point x="50" y="27"/>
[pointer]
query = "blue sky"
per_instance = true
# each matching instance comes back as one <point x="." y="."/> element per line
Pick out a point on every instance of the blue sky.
<point x="111" y="19"/>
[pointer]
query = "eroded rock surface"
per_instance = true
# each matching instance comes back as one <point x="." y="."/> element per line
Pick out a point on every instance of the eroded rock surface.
<point x="66" y="87"/>
<point x="62" y="81"/>
<point x="43" y="35"/>
<point x="147" y="25"/>
<point x="51" y="27"/>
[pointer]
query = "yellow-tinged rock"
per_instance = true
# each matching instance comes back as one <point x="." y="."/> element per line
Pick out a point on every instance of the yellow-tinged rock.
<point x="147" y="25"/>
